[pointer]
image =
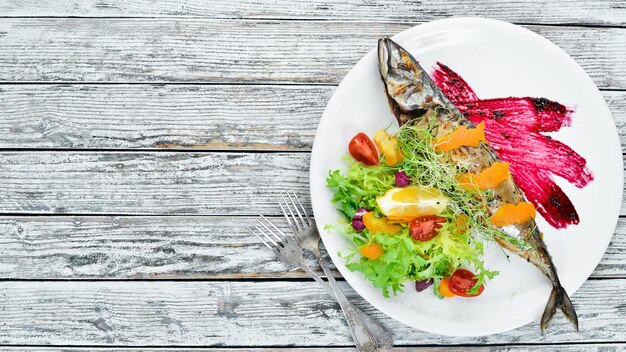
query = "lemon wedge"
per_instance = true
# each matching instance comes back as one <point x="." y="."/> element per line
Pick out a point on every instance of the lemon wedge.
<point x="407" y="203"/>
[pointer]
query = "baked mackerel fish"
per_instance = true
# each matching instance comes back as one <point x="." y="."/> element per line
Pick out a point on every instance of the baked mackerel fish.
<point x="415" y="99"/>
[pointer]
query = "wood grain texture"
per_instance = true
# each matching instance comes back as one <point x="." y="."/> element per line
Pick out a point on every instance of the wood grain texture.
<point x="240" y="117"/>
<point x="526" y="11"/>
<point x="592" y="347"/>
<point x="219" y="117"/>
<point x="170" y="247"/>
<point x="149" y="182"/>
<point x="156" y="183"/>
<point x="148" y="50"/>
<point x="136" y="248"/>
<point x="247" y="314"/>
<point x="617" y="105"/>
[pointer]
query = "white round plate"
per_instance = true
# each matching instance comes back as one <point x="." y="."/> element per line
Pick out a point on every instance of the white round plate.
<point x="497" y="59"/>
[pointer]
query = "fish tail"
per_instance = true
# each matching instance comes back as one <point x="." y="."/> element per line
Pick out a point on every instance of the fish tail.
<point x="559" y="299"/>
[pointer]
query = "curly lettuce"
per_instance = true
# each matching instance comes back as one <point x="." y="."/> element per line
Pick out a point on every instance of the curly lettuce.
<point x="405" y="259"/>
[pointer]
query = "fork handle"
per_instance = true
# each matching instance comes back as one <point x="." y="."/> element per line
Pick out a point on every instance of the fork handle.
<point x="381" y="334"/>
<point x="362" y="336"/>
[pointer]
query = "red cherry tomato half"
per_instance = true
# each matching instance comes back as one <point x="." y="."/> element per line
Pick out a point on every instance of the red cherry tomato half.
<point x="362" y="149"/>
<point x="462" y="281"/>
<point x="424" y="228"/>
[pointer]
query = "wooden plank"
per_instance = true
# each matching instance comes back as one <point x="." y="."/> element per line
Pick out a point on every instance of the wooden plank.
<point x="148" y="50"/>
<point x="526" y="11"/>
<point x="190" y="247"/>
<point x="615" y="255"/>
<point x="149" y="182"/>
<point x="157" y="183"/>
<point x="605" y="347"/>
<point x="220" y="117"/>
<point x="617" y="105"/>
<point x="240" y="117"/>
<point x="247" y="314"/>
<point x="171" y="247"/>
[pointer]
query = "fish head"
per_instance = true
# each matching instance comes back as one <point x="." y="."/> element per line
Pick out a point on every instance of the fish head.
<point x="410" y="91"/>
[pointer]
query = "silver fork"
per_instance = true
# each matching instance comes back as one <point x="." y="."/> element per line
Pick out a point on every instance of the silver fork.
<point x="309" y="239"/>
<point x="290" y="252"/>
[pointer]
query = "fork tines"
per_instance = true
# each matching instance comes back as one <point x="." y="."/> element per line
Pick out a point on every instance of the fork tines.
<point x="271" y="238"/>
<point x="299" y="222"/>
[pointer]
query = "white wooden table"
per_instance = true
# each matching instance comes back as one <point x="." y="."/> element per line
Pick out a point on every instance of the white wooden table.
<point x="137" y="139"/>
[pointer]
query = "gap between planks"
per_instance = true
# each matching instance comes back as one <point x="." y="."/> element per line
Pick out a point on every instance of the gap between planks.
<point x="302" y="19"/>
<point x="512" y="347"/>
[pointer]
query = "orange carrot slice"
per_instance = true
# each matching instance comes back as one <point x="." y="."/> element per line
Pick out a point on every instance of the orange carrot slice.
<point x="462" y="136"/>
<point x="509" y="214"/>
<point x="371" y="251"/>
<point x="490" y="177"/>
<point x="379" y="225"/>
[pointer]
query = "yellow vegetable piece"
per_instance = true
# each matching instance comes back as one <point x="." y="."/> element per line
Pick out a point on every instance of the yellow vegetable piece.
<point x="388" y="145"/>
<point x="462" y="136"/>
<point x="444" y="288"/>
<point x="379" y="225"/>
<point x="460" y="222"/>
<point x="509" y="214"/>
<point x="371" y="251"/>
<point x="489" y="178"/>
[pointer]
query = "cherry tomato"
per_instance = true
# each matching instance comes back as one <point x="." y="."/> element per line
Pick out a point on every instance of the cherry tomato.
<point x="444" y="288"/>
<point x="362" y="149"/>
<point x="424" y="228"/>
<point x="462" y="281"/>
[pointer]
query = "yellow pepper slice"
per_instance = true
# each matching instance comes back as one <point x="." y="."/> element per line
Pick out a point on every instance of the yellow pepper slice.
<point x="388" y="145"/>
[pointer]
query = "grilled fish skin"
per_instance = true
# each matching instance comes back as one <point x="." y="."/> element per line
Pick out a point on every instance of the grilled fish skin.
<point x="414" y="98"/>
